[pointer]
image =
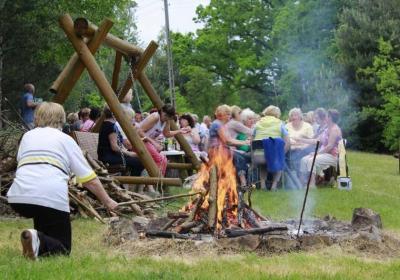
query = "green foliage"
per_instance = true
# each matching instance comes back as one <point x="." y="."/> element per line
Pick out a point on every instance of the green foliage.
<point x="361" y="25"/>
<point x="385" y="74"/>
<point x="35" y="49"/>
<point x="225" y="61"/>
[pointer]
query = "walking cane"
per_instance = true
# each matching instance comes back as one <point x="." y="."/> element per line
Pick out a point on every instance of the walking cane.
<point x="308" y="187"/>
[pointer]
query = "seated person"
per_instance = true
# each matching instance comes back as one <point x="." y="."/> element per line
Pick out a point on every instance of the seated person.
<point x="219" y="137"/>
<point x="236" y="126"/>
<point x="191" y="134"/>
<point x="111" y="149"/>
<point x="270" y="126"/>
<point x="247" y="117"/>
<point x="298" y="128"/>
<point x="157" y="124"/>
<point x="328" y="152"/>
<point x="87" y="123"/>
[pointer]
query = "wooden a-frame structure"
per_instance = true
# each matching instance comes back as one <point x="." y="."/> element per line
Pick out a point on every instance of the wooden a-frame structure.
<point x="86" y="38"/>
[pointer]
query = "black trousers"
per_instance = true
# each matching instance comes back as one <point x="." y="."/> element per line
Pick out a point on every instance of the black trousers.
<point x="132" y="163"/>
<point x="53" y="226"/>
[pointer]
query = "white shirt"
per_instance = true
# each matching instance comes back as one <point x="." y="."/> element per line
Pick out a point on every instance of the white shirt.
<point x="46" y="158"/>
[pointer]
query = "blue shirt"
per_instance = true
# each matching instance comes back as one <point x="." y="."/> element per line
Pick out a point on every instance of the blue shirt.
<point x="27" y="112"/>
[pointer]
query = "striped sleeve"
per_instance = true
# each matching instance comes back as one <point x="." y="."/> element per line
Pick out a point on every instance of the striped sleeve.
<point x="78" y="164"/>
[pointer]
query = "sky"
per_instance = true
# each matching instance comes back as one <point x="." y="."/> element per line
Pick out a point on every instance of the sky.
<point x="150" y="17"/>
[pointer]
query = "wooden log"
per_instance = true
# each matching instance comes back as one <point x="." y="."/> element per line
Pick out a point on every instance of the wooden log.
<point x="157" y="199"/>
<point x="74" y="69"/>
<point x="241" y="232"/>
<point x="168" y="224"/>
<point x="190" y="220"/>
<point x="212" y="198"/>
<point x="105" y="89"/>
<point x="116" y="43"/>
<point x="117" y="69"/>
<point x="177" y="215"/>
<point x="143" y="60"/>
<point x="91" y="161"/>
<point x="179" y="165"/>
<point x="157" y="102"/>
<point x="169" y="234"/>
<point x="149" y="180"/>
<point x="86" y="206"/>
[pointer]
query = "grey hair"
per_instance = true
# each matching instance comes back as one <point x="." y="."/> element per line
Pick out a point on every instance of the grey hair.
<point x="295" y="111"/>
<point x="247" y="114"/>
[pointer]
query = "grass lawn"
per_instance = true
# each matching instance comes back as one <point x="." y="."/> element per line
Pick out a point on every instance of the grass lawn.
<point x="376" y="184"/>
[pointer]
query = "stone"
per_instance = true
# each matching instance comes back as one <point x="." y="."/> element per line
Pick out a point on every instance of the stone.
<point x="365" y="217"/>
<point x="281" y="243"/>
<point x="248" y="242"/>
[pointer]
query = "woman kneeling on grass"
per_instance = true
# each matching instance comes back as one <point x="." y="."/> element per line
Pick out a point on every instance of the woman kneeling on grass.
<point x="46" y="158"/>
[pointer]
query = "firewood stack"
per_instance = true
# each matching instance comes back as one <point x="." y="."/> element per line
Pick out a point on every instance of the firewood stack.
<point x="82" y="202"/>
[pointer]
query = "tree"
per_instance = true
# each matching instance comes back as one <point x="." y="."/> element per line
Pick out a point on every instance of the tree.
<point x="34" y="48"/>
<point x="361" y="24"/>
<point x="226" y="60"/>
<point x="385" y="74"/>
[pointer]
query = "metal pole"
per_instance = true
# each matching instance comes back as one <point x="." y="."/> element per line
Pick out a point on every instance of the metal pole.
<point x="308" y="187"/>
<point x="169" y="56"/>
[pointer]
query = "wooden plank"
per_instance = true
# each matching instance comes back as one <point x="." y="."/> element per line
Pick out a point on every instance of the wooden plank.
<point x="149" y="180"/>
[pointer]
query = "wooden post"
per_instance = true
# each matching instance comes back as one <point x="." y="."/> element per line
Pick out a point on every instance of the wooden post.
<point x="212" y="198"/>
<point x="105" y="89"/>
<point x="75" y="67"/>
<point x="144" y="59"/>
<point x="149" y="180"/>
<point x="157" y="102"/>
<point x="117" y="69"/>
<point x="115" y="42"/>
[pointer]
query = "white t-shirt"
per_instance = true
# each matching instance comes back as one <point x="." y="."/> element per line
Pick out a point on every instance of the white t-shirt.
<point x="46" y="158"/>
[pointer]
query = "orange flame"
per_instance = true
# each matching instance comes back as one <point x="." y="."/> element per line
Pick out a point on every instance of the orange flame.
<point x="227" y="196"/>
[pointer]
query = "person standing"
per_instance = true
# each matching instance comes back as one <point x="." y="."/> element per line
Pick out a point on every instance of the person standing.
<point x="28" y="105"/>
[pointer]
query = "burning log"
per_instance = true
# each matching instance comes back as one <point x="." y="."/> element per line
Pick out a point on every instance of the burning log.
<point x="241" y="232"/>
<point x="212" y="198"/>
<point x="169" y="234"/>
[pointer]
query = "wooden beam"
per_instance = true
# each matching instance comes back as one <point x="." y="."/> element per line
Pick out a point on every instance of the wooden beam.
<point x="143" y="60"/>
<point x="74" y="69"/>
<point x="179" y="165"/>
<point x="149" y="180"/>
<point x="115" y="42"/>
<point x="117" y="69"/>
<point x="105" y="89"/>
<point x="158" y="103"/>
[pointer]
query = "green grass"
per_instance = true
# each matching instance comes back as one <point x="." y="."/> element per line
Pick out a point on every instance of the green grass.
<point x="376" y="185"/>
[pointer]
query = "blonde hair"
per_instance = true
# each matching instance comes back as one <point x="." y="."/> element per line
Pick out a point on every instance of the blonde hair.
<point x="235" y="110"/>
<point x="309" y="117"/>
<point x="272" y="110"/>
<point x="49" y="114"/>
<point x="222" y="109"/>
<point x="72" y="117"/>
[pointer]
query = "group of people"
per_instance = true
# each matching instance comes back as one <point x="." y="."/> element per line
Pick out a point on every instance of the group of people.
<point x="275" y="144"/>
<point x="47" y="157"/>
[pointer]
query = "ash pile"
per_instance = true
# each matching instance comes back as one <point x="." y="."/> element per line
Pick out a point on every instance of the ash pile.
<point x="362" y="236"/>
